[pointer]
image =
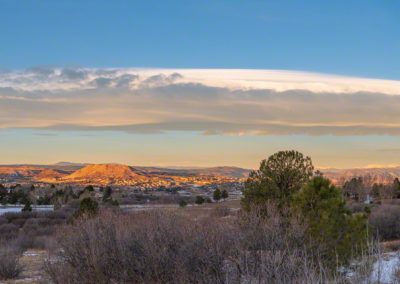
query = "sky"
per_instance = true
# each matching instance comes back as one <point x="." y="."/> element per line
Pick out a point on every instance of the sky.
<point x="199" y="83"/>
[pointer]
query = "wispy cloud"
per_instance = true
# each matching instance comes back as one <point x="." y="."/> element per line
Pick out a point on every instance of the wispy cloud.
<point x="228" y="102"/>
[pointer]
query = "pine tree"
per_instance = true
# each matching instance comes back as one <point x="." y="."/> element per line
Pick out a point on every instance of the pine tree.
<point x="217" y="194"/>
<point x="27" y="207"/>
<point x="107" y="193"/>
<point x="3" y="194"/>
<point x="199" y="200"/>
<point x="182" y="203"/>
<point x="278" y="178"/>
<point x="396" y="188"/>
<point x="89" y="188"/>
<point x="88" y="207"/>
<point x="333" y="229"/>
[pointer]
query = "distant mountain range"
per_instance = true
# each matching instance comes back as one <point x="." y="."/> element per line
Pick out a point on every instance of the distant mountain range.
<point x="369" y="175"/>
<point x="65" y="172"/>
<point x="118" y="174"/>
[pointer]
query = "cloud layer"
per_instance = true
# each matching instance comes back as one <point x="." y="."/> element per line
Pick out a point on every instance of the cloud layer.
<point x="228" y="102"/>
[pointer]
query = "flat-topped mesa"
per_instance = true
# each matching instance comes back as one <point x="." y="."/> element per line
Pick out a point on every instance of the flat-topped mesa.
<point x="105" y="174"/>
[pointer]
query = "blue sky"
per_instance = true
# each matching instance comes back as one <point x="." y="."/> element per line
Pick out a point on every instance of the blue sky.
<point x="163" y="82"/>
<point x="350" y="37"/>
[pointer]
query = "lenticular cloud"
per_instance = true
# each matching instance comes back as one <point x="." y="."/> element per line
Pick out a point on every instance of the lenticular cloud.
<point x="209" y="101"/>
<point x="46" y="78"/>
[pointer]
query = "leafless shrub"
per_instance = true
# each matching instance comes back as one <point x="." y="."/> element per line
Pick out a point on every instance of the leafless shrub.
<point x="8" y="231"/>
<point x="167" y="247"/>
<point x="19" y="222"/>
<point x="9" y="262"/>
<point x="30" y="229"/>
<point x="146" y="247"/>
<point x="391" y="201"/>
<point x="385" y="221"/>
<point x="3" y="220"/>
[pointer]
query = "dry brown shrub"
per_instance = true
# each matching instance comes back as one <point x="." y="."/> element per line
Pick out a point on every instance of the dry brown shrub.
<point x="266" y="245"/>
<point x="8" y="231"/>
<point x="385" y="221"/>
<point x="10" y="267"/>
<point x="3" y="220"/>
<point x="146" y="247"/>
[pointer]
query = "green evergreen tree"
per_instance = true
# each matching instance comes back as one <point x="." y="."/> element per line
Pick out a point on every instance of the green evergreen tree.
<point x="277" y="179"/>
<point x="114" y="202"/>
<point x="88" y="207"/>
<point x="217" y="194"/>
<point x="18" y="196"/>
<point x="89" y="188"/>
<point x="396" y="188"/>
<point x="354" y="188"/>
<point x="3" y="194"/>
<point x="199" y="200"/>
<point x="44" y="200"/>
<point x="333" y="230"/>
<point x="182" y="203"/>
<point x="107" y="193"/>
<point x="224" y="194"/>
<point x="23" y="197"/>
<point x="27" y="207"/>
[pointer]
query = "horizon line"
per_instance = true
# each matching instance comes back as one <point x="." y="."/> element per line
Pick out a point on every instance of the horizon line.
<point x="372" y="166"/>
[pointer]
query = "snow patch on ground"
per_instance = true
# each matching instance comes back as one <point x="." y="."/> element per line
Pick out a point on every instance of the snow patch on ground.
<point x="384" y="269"/>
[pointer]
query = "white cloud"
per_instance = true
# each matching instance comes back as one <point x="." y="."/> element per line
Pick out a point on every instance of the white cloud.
<point x="277" y="80"/>
<point x="230" y="102"/>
